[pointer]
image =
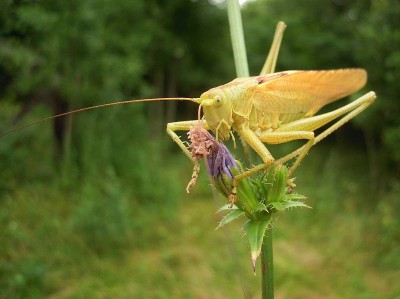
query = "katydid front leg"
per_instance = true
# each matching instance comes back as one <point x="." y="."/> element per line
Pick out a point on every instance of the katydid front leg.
<point x="186" y="126"/>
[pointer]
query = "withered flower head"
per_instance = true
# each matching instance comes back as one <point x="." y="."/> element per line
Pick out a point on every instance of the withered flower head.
<point x="204" y="145"/>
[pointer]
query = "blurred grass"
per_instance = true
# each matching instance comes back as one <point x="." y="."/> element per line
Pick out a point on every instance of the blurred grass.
<point x="99" y="242"/>
<point x="113" y="221"/>
<point x="109" y="219"/>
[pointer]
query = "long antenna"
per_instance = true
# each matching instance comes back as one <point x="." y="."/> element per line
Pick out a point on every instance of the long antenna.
<point x="96" y="107"/>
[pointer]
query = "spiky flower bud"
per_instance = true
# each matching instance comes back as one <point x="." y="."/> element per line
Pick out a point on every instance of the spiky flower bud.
<point x="221" y="167"/>
<point x="258" y="199"/>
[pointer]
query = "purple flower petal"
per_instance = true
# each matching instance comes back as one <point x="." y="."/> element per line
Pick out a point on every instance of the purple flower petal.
<point x="220" y="160"/>
<point x="204" y="145"/>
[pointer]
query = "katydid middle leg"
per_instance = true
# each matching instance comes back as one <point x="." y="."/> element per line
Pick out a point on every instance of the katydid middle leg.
<point x="268" y="68"/>
<point x="256" y="142"/>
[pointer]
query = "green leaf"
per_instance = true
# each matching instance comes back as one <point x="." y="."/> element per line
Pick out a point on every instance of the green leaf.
<point x="277" y="205"/>
<point x="278" y="179"/>
<point x="273" y="184"/>
<point x="259" y="207"/>
<point x="255" y="230"/>
<point x="293" y="204"/>
<point x="227" y="207"/>
<point x="295" y="196"/>
<point x="230" y="217"/>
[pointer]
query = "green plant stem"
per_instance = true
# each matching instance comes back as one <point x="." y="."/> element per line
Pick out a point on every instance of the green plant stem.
<point x="242" y="70"/>
<point x="267" y="267"/>
<point x="237" y="37"/>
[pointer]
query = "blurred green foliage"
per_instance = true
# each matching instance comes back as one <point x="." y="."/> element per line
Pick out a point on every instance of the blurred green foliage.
<point x="100" y="184"/>
<point x="338" y="34"/>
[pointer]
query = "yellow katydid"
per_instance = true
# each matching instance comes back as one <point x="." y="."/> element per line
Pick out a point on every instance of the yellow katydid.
<point x="272" y="108"/>
<point x="277" y="108"/>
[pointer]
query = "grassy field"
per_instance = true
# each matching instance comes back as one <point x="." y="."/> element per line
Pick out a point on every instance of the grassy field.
<point x="50" y="249"/>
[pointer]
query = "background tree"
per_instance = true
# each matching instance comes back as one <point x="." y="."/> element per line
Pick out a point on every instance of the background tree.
<point x="90" y="196"/>
<point x="337" y="34"/>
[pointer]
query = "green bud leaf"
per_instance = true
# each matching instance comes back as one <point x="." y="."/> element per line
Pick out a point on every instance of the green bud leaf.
<point x="221" y="185"/>
<point x="277" y="206"/>
<point x="277" y="176"/>
<point x="295" y="197"/>
<point x="256" y="230"/>
<point x="293" y="204"/>
<point x="230" y="217"/>
<point x="259" y="207"/>
<point x="226" y="207"/>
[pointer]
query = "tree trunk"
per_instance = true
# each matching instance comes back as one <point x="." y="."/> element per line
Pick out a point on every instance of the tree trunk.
<point x="156" y="110"/>
<point x="60" y="124"/>
<point x="171" y="92"/>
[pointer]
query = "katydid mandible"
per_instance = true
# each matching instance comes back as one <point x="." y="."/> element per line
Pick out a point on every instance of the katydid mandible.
<point x="271" y="108"/>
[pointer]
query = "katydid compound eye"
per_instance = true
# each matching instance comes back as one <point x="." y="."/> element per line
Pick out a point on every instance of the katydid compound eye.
<point x="218" y="99"/>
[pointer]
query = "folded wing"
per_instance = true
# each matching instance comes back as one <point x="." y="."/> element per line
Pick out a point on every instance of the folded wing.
<point x="305" y="92"/>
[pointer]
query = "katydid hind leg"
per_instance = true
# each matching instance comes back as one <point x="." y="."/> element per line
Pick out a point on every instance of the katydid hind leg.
<point x="298" y="130"/>
<point x="315" y="122"/>
<point x="362" y="103"/>
<point x="270" y="63"/>
<point x="352" y="109"/>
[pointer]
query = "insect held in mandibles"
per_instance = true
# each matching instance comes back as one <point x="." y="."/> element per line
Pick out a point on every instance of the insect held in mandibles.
<point x="271" y="108"/>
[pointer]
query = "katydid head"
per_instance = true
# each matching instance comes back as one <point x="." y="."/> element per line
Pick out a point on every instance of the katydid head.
<point x="217" y="109"/>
